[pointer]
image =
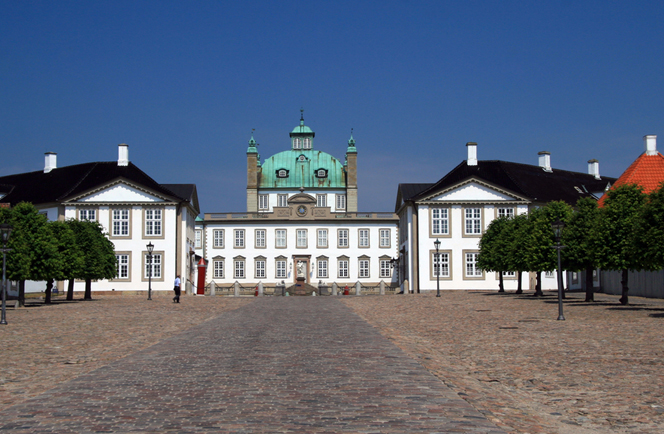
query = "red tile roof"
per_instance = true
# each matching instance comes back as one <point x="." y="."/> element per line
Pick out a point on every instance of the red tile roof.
<point x="646" y="171"/>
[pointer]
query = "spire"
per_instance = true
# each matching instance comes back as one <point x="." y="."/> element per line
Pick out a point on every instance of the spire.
<point x="301" y="116"/>
<point x="351" y="143"/>
<point x="252" y="143"/>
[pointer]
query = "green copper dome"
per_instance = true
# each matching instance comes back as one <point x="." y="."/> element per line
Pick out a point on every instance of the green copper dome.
<point x="302" y="168"/>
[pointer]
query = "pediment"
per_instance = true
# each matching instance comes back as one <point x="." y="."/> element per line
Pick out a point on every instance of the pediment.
<point x="474" y="190"/>
<point x="302" y="198"/>
<point x="120" y="192"/>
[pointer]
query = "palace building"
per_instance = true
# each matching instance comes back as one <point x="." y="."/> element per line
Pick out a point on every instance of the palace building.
<point x="302" y="214"/>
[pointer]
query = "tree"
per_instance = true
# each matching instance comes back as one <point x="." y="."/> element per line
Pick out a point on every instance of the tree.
<point x="517" y="258"/>
<point x="580" y="236"/>
<point x="617" y="247"/>
<point x="70" y="254"/>
<point x="34" y="254"/>
<point x="650" y="234"/>
<point x="99" y="254"/>
<point x="494" y="249"/>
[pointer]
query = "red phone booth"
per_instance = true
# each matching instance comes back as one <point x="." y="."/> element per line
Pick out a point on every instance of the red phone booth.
<point x="200" y="288"/>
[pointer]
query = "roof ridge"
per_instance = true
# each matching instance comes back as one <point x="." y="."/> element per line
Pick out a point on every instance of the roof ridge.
<point x="68" y="192"/>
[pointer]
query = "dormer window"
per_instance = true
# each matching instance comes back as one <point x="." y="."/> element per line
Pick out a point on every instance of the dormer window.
<point x="282" y="173"/>
<point x="321" y="173"/>
<point x="302" y="158"/>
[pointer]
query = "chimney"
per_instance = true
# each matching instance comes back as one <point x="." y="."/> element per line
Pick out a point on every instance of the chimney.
<point x="593" y="168"/>
<point x="650" y="143"/>
<point x="50" y="161"/>
<point x="472" y="153"/>
<point x="123" y="154"/>
<point x="545" y="161"/>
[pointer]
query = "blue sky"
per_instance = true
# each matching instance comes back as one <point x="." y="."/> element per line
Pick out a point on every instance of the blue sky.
<point x="183" y="83"/>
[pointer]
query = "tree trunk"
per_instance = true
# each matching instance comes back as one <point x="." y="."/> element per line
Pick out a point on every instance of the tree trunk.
<point x="519" y="289"/>
<point x="88" y="289"/>
<point x="625" y="276"/>
<point x="538" y="285"/>
<point x="21" y="293"/>
<point x="70" y="290"/>
<point x="501" y="287"/>
<point x="589" y="284"/>
<point x="47" y="293"/>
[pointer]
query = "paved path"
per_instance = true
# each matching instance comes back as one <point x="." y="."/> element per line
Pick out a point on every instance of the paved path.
<point x="291" y="364"/>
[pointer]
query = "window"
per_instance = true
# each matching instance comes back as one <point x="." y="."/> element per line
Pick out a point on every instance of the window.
<point x="321" y="200"/>
<point x="341" y="201"/>
<point x="198" y="241"/>
<point x="301" y="238"/>
<point x="153" y="222"/>
<point x="239" y="268"/>
<point x="218" y="269"/>
<point x="282" y="200"/>
<point x="473" y="221"/>
<point x="322" y="268"/>
<point x="471" y="265"/>
<point x="385" y="268"/>
<point x="120" y="222"/>
<point x="440" y="263"/>
<point x="282" y="173"/>
<point x="260" y="238"/>
<point x="321" y="173"/>
<point x="260" y="268"/>
<point x="280" y="267"/>
<point x="156" y="266"/>
<point x="384" y="238"/>
<point x="548" y="274"/>
<point x="280" y="238"/>
<point x="363" y="237"/>
<point x="123" y="265"/>
<point x="440" y="223"/>
<point x="307" y="143"/>
<point x="263" y="202"/>
<point x="342" y="237"/>
<point x="297" y="143"/>
<point x="87" y="214"/>
<point x="364" y="268"/>
<point x="506" y="212"/>
<point x="509" y="274"/>
<point x="218" y="238"/>
<point x="239" y="238"/>
<point x="322" y="238"/>
<point x="343" y="267"/>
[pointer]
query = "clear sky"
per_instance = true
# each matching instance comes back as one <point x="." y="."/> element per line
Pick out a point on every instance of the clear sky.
<point x="183" y="83"/>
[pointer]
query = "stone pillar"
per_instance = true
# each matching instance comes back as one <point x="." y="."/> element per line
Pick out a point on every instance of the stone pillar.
<point x="237" y="289"/>
<point x="260" y="289"/>
<point x="334" y="288"/>
<point x="358" y="288"/>
<point x="382" y="287"/>
<point x="213" y="291"/>
<point x="406" y="289"/>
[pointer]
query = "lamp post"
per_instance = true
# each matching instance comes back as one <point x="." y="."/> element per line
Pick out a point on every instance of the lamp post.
<point x="557" y="227"/>
<point x="5" y="231"/>
<point x="150" y="250"/>
<point x="437" y="265"/>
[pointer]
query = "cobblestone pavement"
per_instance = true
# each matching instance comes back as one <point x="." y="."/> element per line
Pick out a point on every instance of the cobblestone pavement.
<point x="599" y="371"/>
<point x="296" y="364"/>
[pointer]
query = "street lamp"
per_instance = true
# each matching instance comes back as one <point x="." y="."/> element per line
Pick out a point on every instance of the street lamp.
<point x="150" y="250"/>
<point x="437" y="265"/>
<point x="5" y="231"/>
<point x="557" y="227"/>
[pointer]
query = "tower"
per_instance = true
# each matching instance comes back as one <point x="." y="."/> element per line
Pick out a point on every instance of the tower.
<point x="253" y="170"/>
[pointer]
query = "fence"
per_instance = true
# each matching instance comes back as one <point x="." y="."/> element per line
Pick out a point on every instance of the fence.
<point x="280" y="289"/>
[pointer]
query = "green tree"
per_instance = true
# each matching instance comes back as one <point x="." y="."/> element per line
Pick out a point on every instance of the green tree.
<point x="517" y="258"/>
<point x="580" y="236"/>
<point x="617" y="247"/>
<point x="99" y="254"/>
<point x="70" y="254"/>
<point x="650" y="234"/>
<point x="494" y="247"/>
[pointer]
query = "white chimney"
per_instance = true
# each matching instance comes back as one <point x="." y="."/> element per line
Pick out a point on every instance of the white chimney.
<point x="650" y="143"/>
<point x="50" y="161"/>
<point x="123" y="154"/>
<point x="593" y="168"/>
<point x="545" y="161"/>
<point x="472" y="153"/>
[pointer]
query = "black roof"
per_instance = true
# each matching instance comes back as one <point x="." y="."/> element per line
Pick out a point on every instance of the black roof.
<point x="64" y="182"/>
<point x="526" y="180"/>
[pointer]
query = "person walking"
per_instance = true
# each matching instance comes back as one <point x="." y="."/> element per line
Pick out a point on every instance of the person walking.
<point x="176" y="288"/>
